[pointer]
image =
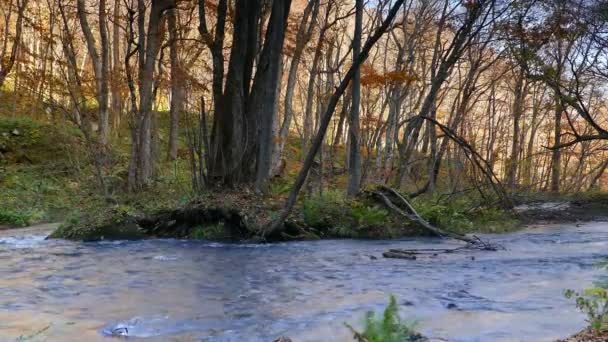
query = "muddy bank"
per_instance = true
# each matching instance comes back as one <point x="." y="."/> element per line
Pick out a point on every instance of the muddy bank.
<point x="587" y="335"/>
<point x="241" y="217"/>
<point x="562" y="211"/>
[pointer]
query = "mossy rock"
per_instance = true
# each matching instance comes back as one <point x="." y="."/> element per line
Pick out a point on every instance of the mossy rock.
<point x="125" y="228"/>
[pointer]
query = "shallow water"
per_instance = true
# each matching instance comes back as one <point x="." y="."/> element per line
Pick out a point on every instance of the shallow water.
<point x="172" y="290"/>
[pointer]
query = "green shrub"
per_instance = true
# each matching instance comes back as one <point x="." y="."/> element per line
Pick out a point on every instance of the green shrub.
<point x="13" y="218"/>
<point x="280" y="187"/>
<point x="387" y="328"/>
<point x="367" y="216"/>
<point x="450" y="217"/>
<point x="325" y="211"/>
<point x="593" y="302"/>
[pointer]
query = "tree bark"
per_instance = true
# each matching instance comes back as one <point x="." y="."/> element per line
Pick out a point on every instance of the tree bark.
<point x="518" y="108"/>
<point x="141" y="169"/>
<point x="303" y="36"/>
<point x="177" y="85"/>
<point x="6" y="64"/>
<point x="263" y="96"/>
<point x="354" y="148"/>
<point x="100" y="63"/>
<point x="116" y="69"/>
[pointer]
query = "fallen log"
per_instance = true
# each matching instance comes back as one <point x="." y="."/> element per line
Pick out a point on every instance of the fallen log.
<point x="394" y="255"/>
<point x="406" y="210"/>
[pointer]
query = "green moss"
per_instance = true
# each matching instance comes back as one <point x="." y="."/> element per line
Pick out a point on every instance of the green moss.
<point x="105" y="225"/>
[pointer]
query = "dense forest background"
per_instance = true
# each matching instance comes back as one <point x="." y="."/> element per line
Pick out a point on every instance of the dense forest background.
<point x="123" y="98"/>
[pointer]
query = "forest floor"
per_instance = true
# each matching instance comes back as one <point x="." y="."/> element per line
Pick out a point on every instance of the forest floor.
<point x="46" y="176"/>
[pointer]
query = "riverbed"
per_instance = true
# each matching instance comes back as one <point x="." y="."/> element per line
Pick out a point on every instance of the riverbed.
<point x="175" y="290"/>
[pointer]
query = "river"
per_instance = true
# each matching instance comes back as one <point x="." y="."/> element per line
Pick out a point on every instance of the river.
<point x="174" y="290"/>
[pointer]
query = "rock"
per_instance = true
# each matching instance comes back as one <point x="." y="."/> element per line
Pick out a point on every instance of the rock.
<point x="407" y="303"/>
<point x="15" y="132"/>
<point x="451" y="306"/>
<point x="283" y="339"/>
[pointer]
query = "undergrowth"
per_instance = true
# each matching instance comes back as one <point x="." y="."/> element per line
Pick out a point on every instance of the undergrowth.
<point x="593" y="302"/>
<point x="388" y="327"/>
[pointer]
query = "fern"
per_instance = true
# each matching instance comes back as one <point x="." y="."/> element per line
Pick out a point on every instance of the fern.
<point x="388" y="328"/>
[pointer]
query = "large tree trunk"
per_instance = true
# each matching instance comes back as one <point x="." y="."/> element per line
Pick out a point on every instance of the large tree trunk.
<point x="229" y="138"/>
<point x="241" y="143"/>
<point x="263" y="96"/>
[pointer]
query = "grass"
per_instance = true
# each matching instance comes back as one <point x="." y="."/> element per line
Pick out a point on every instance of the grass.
<point x="464" y="215"/>
<point x="38" y="176"/>
<point x="46" y="175"/>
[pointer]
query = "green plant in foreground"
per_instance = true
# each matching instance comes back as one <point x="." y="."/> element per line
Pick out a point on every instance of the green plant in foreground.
<point x="387" y="328"/>
<point x="593" y="302"/>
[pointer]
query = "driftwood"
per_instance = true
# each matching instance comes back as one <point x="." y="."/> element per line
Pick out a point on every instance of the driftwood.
<point x="389" y="196"/>
<point x="398" y="255"/>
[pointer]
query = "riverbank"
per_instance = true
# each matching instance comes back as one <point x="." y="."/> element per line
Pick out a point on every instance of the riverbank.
<point x="46" y="176"/>
<point x="242" y="216"/>
<point x="587" y="335"/>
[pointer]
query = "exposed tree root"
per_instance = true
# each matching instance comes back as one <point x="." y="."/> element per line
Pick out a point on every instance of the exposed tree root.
<point x="179" y="222"/>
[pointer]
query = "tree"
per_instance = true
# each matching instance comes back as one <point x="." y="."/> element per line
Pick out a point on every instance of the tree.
<point x="8" y="61"/>
<point x="242" y="124"/>
<point x="354" y="152"/>
<point x="177" y="84"/>
<point x="141" y="168"/>
<point x="326" y="118"/>
<point x="101" y="63"/>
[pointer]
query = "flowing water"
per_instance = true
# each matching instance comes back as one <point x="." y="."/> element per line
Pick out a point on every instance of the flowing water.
<point x="173" y="290"/>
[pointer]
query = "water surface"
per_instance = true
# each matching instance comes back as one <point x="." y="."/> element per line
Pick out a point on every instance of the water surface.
<point x="173" y="290"/>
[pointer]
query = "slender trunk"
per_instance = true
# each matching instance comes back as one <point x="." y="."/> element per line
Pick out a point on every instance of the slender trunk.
<point x="557" y="154"/>
<point x="354" y="148"/>
<point x="518" y="107"/>
<point x="177" y="85"/>
<point x="116" y="70"/>
<point x="304" y="34"/>
<point x="6" y="64"/>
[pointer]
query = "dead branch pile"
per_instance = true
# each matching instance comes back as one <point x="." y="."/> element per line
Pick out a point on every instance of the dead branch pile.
<point x="397" y="203"/>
